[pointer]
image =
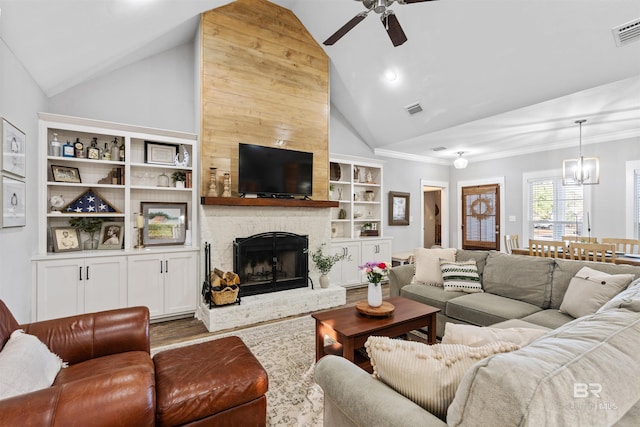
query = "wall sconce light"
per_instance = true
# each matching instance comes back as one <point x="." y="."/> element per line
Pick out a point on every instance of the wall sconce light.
<point x="460" y="162"/>
<point x="583" y="170"/>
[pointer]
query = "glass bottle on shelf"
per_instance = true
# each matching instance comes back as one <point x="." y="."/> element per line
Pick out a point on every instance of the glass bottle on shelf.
<point x="79" y="148"/>
<point x="68" y="150"/>
<point x="93" y="152"/>
<point x="121" y="150"/>
<point x="106" y="153"/>
<point x="115" y="150"/>
<point x="55" y="148"/>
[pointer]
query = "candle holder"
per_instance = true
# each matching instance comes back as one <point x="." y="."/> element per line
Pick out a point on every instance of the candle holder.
<point x="140" y="228"/>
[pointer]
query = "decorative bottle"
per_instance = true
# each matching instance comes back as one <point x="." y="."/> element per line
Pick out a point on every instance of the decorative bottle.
<point x="115" y="151"/>
<point x="93" y="152"/>
<point x="79" y="148"/>
<point x="106" y="153"/>
<point x="67" y="150"/>
<point x="121" y="150"/>
<point x="55" y="149"/>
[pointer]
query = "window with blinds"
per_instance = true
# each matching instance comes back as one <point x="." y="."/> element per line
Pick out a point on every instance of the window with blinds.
<point x="555" y="210"/>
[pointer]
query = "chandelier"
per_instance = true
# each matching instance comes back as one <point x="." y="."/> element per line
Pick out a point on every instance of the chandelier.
<point x="583" y="170"/>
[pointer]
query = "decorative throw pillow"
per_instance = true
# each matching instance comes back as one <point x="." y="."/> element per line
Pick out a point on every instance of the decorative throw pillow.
<point x="27" y="365"/>
<point x="426" y="374"/>
<point x="427" y="264"/>
<point x="460" y="276"/>
<point x="475" y="336"/>
<point x="628" y="299"/>
<point x="590" y="289"/>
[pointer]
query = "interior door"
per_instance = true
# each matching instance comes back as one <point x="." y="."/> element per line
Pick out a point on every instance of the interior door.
<point x="481" y="217"/>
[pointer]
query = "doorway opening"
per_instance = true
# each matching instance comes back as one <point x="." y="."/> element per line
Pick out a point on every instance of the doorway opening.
<point x="435" y="217"/>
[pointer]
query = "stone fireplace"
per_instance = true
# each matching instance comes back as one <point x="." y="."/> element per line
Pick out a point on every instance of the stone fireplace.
<point x="221" y="225"/>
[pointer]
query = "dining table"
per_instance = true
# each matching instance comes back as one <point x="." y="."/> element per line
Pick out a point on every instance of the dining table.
<point x="621" y="258"/>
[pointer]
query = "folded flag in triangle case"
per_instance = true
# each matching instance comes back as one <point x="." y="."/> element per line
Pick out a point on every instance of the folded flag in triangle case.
<point x="89" y="202"/>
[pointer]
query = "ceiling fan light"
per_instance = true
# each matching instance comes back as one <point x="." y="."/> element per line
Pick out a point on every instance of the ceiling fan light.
<point x="460" y="162"/>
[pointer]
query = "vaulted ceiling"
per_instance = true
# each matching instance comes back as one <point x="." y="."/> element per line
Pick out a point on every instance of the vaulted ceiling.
<point x="493" y="77"/>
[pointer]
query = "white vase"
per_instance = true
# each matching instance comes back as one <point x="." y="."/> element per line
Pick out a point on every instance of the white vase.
<point x="179" y="184"/>
<point x="374" y="295"/>
<point x="324" y="281"/>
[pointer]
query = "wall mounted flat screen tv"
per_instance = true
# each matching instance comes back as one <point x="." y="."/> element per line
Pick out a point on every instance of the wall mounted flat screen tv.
<point x="274" y="172"/>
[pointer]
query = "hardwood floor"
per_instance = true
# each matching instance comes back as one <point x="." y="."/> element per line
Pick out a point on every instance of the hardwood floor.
<point x="174" y="331"/>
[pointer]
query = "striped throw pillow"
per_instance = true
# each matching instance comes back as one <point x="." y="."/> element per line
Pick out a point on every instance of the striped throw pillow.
<point x="460" y="276"/>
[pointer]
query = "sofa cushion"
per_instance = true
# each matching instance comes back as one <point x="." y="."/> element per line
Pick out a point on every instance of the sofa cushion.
<point x="430" y="295"/>
<point x="427" y="374"/>
<point x="106" y="365"/>
<point x="27" y="365"/>
<point x="460" y="276"/>
<point x="521" y="277"/>
<point x="550" y="381"/>
<point x="486" y="309"/>
<point x="480" y="257"/>
<point x="427" y="264"/>
<point x="518" y="323"/>
<point x="476" y="336"/>
<point x="566" y="269"/>
<point x="549" y="318"/>
<point x="590" y="289"/>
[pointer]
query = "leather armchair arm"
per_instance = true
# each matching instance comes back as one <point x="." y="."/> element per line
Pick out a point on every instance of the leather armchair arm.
<point x="87" y="336"/>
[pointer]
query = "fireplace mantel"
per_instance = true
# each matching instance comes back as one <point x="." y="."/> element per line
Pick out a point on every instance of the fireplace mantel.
<point x="242" y="201"/>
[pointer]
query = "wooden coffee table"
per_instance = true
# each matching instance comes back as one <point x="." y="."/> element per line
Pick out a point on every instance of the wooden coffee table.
<point x="350" y="329"/>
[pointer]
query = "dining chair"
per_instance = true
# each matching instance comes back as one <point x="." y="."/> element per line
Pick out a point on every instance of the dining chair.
<point x="511" y="242"/>
<point x="627" y="246"/>
<point x="602" y="252"/>
<point x="547" y="248"/>
<point x="580" y="239"/>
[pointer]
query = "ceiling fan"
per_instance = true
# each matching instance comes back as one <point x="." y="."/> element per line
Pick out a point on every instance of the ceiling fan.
<point x="387" y="17"/>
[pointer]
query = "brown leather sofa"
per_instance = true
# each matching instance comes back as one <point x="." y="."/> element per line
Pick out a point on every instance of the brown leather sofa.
<point x="111" y="379"/>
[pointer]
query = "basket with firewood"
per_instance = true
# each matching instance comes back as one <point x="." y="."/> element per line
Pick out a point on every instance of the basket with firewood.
<point x="224" y="286"/>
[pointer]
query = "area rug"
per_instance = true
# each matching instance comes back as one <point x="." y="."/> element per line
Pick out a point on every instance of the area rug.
<point x="286" y="350"/>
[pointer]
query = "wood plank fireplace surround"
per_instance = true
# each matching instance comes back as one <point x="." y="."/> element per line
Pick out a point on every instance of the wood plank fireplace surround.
<point x="263" y="79"/>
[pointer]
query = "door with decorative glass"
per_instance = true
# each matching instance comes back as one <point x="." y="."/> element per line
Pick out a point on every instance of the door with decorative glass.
<point x="481" y="217"/>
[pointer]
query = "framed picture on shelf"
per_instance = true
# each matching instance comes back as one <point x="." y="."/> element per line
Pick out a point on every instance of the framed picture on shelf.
<point x="65" y="239"/>
<point x="111" y="235"/>
<point x="13" y="149"/>
<point x="13" y="203"/>
<point x="160" y="153"/>
<point x="398" y="208"/>
<point x="65" y="174"/>
<point x="165" y="223"/>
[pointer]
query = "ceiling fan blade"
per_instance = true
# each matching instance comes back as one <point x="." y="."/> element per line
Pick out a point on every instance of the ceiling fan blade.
<point x="346" y="28"/>
<point x="412" y="1"/>
<point x="392" y="25"/>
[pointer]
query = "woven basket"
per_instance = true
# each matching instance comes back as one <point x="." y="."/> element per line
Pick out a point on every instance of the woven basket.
<point x="227" y="295"/>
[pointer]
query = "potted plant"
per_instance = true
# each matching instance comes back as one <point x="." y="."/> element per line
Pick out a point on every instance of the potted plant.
<point x="179" y="177"/>
<point x="324" y="263"/>
<point x="89" y="226"/>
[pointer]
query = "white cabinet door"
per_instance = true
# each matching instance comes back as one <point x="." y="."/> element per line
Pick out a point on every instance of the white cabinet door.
<point x="67" y="287"/>
<point x="180" y="282"/>
<point x="146" y="284"/>
<point x="105" y="283"/>
<point x="376" y="251"/>
<point x="58" y="289"/>
<point x="346" y="272"/>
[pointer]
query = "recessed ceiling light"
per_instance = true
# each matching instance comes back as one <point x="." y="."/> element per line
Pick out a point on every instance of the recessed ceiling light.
<point x="390" y="75"/>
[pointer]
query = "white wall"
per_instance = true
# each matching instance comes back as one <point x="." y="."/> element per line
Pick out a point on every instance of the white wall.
<point x="20" y="101"/>
<point x="156" y="92"/>
<point x="607" y="212"/>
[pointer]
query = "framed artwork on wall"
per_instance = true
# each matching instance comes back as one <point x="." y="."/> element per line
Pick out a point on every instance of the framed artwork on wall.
<point x="398" y="208"/>
<point x="14" y="193"/>
<point x="165" y="223"/>
<point x="13" y="149"/>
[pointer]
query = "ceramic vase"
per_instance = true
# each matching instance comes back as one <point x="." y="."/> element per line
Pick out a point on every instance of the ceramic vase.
<point x="374" y="295"/>
<point x="324" y="280"/>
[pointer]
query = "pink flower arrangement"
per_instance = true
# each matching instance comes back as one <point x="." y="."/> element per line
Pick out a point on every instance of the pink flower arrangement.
<point x="376" y="271"/>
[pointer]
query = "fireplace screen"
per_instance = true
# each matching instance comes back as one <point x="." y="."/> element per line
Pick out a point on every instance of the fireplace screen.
<point x="271" y="262"/>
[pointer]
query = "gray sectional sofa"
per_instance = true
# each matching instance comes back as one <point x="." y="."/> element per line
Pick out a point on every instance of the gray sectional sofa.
<point x="581" y="372"/>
